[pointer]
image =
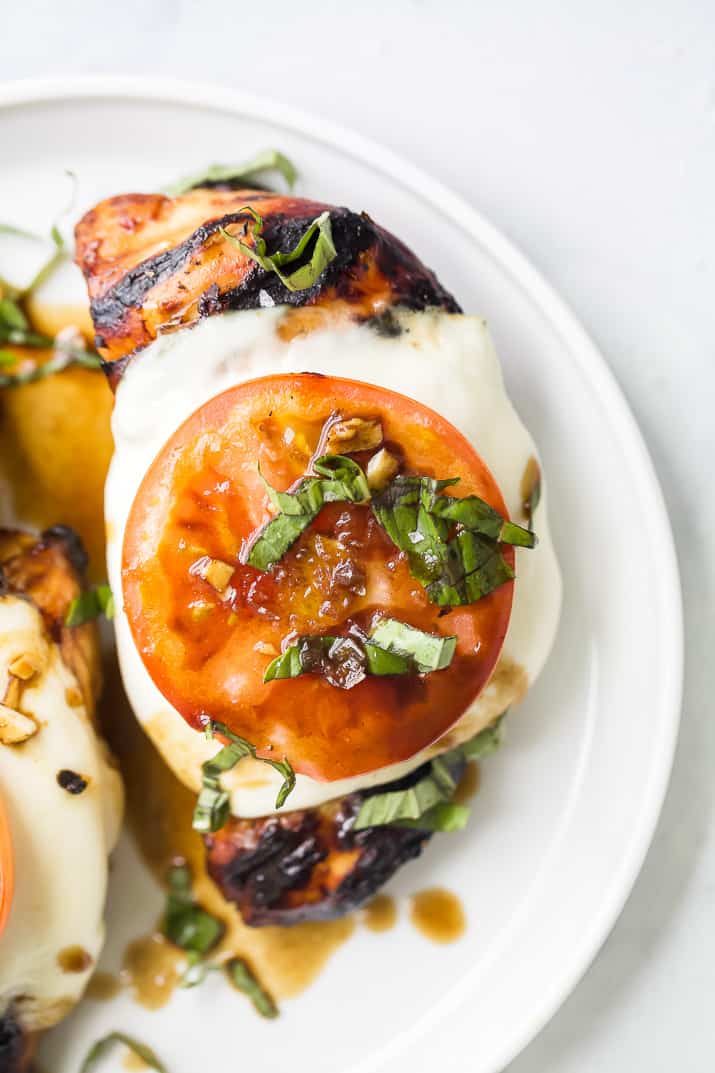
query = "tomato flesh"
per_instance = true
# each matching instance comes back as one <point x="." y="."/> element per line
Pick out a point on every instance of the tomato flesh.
<point x="207" y="650"/>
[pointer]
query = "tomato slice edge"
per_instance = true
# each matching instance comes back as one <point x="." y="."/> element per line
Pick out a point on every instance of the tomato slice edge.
<point x="324" y="388"/>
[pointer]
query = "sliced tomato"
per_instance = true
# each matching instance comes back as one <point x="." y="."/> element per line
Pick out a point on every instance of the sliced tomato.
<point x="7" y="869"/>
<point x="207" y="651"/>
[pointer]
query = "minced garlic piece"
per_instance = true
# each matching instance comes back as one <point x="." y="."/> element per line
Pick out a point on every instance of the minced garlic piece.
<point x="23" y="667"/>
<point x="353" y="434"/>
<point x="381" y="468"/>
<point x="215" y="571"/>
<point x="265" y="648"/>
<point x="14" y="726"/>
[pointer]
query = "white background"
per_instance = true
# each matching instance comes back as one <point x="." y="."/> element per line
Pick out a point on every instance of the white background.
<point x="586" y="132"/>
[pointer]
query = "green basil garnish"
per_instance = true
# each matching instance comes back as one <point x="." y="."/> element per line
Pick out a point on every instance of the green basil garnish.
<point x="85" y="359"/>
<point x="306" y="275"/>
<point x="429" y="651"/>
<point x="454" y="570"/>
<point x="445" y="817"/>
<point x="395" y="805"/>
<point x="485" y="742"/>
<point x="188" y="926"/>
<point x="214" y="804"/>
<point x="427" y="805"/>
<point x="340" y="480"/>
<point x="15" y="330"/>
<point x="102" y="1045"/>
<point x="90" y="605"/>
<point x="242" y="978"/>
<point x="234" y="174"/>
<point x="393" y="647"/>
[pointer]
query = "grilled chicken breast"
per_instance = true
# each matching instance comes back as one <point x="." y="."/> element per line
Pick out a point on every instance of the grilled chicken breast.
<point x="154" y="264"/>
<point x="60" y="795"/>
<point x="311" y="864"/>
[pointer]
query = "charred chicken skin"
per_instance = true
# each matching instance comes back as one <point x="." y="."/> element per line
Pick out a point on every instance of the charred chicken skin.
<point x="154" y="264"/>
<point x="311" y="864"/>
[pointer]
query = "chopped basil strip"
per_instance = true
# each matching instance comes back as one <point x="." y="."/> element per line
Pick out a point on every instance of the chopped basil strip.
<point x="58" y="255"/>
<point x="15" y="330"/>
<point x="102" y="1045"/>
<point x="90" y="605"/>
<point x="429" y="651"/>
<point x="381" y="661"/>
<point x="454" y="570"/>
<point x="214" y="804"/>
<point x="186" y="924"/>
<point x="485" y="742"/>
<point x="380" y="809"/>
<point x="235" y="174"/>
<point x="478" y="516"/>
<point x="63" y="360"/>
<point x="244" y="980"/>
<point x="304" y="276"/>
<point x="392" y="648"/>
<point x="427" y="805"/>
<point x="289" y="664"/>
<point x="340" y="480"/>
<point x="444" y="817"/>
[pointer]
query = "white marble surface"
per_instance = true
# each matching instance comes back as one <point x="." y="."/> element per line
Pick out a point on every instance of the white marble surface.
<point x="586" y="131"/>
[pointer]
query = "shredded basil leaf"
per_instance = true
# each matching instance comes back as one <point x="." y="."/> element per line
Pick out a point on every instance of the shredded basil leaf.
<point x="213" y="805"/>
<point x="15" y="330"/>
<point x="12" y="317"/>
<point x="234" y="174"/>
<point x="243" y="979"/>
<point x="427" y="805"/>
<point x="90" y="604"/>
<point x="485" y="742"/>
<point x="102" y="1045"/>
<point x="380" y="809"/>
<point x="306" y="275"/>
<point x="454" y="570"/>
<point x="429" y="651"/>
<point x="443" y="817"/>
<point x="341" y="481"/>
<point x="186" y="924"/>
<point x="392" y="648"/>
<point x="62" y="360"/>
<point x="289" y="663"/>
<point x="381" y="661"/>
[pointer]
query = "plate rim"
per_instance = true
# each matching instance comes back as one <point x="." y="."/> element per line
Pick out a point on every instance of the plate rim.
<point x="593" y="365"/>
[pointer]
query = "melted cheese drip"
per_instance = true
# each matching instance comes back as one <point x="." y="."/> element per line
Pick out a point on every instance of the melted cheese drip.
<point x="444" y="361"/>
<point x="61" y="840"/>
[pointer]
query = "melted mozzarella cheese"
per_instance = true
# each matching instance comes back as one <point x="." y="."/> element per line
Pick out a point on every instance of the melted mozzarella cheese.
<point x="60" y="840"/>
<point x="444" y="361"/>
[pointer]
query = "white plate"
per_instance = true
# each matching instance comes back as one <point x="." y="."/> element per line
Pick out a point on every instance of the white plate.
<point x="568" y="808"/>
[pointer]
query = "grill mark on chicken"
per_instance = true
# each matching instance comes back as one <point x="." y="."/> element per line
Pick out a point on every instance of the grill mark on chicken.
<point x="311" y="864"/>
<point x="16" y="1045"/>
<point x="139" y="288"/>
<point x="352" y="234"/>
